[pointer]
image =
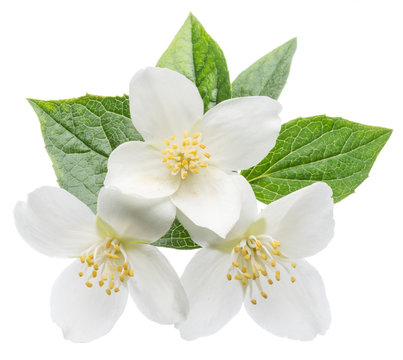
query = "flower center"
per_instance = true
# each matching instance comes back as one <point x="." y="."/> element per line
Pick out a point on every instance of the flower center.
<point x="186" y="156"/>
<point x="105" y="263"/>
<point x="258" y="259"/>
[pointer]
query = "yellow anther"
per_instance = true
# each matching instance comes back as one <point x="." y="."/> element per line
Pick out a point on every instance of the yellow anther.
<point x="292" y="279"/>
<point x="111" y="285"/>
<point x="247" y="275"/>
<point x="254" y="276"/>
<point x="236" y="248"/>
<point x="278" y="275"/>
<point x="270" y="281"/>
<point x="273" y="262"/>
<point x="192" y="166"/>
<point x="258" y="245"/>
<point x="253" y="301"/>
<point x="80" y="274"/>
<point x="91" y="256"/>
<point x="184" y="174"/>
<point x="117" y="289"/>
<point x="169" y="166"/>
<point x="195" y="136"/>
<point x="131" y="272"/>
<point x="119" y="268"/>
<point x="174" y="146"/>
<point x="238" y="277"/>
<point x="121" y="278"/>
<point x="171" y="157"/>
<point x="229" y="277"/>
<point x="108" y="291"/>
<point x="185" y="134"/>
<point x="195" y="171"/>
<point x="197" y="157"/>
<point x="112" y="256"/>
<point x="202" y="164"/>
<point x="108" y="243"/>
<point x="243" y="282"/>
<point x="244" y="252"/>
<point x="88" y="284"/>
<point x="96" y="267"/>
<point x="275" y="252"/>
<point x="82" y="259"/>
<point x="164" y="159"/>
<point x="247" y="257"/>
<point x="126" y="272"/>
<point x="235" y="264"/>
<point x="243" y="269"/>
<point x="116" y="247"/>
<point x="195" y="142"/>
<point x="202" y="146"/>
<point x="293" y="265"/>
<point x="170" y="151"/>
<point x="94" y="274"/>
<point x="263" y="256"/>
<point x="173" y="137"/>
<point x="166" y="141"/>
<point x="264" y="272"/>
<point x="207" y="155"/>
<point x="101" y="283"/>
<point x="263" y="294"/>
<point x="164" y="152"/>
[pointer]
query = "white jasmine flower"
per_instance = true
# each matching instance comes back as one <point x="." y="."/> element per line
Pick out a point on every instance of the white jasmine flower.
<point x="113" y="258"/>
<point x="261" y="262"/>
<point x="186" y="155"/>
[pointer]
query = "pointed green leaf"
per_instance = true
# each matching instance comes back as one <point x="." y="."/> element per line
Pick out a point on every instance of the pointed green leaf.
<point x="177" y="237"/>
<point x="79" y="135"/>
<point x="319" y="148"/>
<point x="268" y="75"/>
<point x="196" y="55"/>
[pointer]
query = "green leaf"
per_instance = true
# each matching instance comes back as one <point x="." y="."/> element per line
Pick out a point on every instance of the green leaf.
<point x="319" y="148"/>
<point x="79" y="135"/>
<point x="196" y="55"/>
<point x="177" y="237"/>
<point x="268" y="75"/>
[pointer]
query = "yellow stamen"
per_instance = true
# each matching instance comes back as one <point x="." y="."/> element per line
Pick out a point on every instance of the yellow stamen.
<point x="263" y="256"/>
<point x="173" y="137"/>
<point x="247" y="275"/>
<point x="238" y="277"/>
<point x="94" y="274"/>
<point x="195" y="136"/>
<point x="263" y="294"/>
<point x="253" y="301"/>
<point x="101" y="283"/>
<point x="203" y="164"/>
<point x="131" y="273"/>
<point x="270" y="281"/>
<point x="88" y="284"/>
<point x="292" y="279"/>
<point x="235" y="264"/>
<point x="80" y="274"/>
<point x="108" y="291"/>
<point x="293" y="265"/>
<point x="117" y="289"/>
<point x="202" y="146"/>
<point x="236" y="248"/>
<point x="111" y="285"/>
<point x="82" y="259"/>
<point x="229" y="277"/>
<point x="278" y="275"/>
<point x="273" y="262"/>
<point x="166" y="141"/>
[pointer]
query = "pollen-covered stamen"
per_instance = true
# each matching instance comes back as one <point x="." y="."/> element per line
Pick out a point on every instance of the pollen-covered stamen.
<point x="106" y="264"/>
<point x="185" y="156"/>
<point x="258" y="258"/>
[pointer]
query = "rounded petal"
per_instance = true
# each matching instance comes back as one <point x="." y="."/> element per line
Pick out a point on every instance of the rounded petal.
<point x="302" y="221"/>
<point x="209" y="199"/>
<point x="298" y="310"/>
<point x="56" y="223"/>
<point x="137" y="169"/>
<point x="83" y="313"/>
<point x="133" y="217"/>
<point x="206" y="237"/>
<point x="163" y="103"/>
<point x="214" y="300"/>
<point x="240" y="132"/>
<point x="155" y="287"/>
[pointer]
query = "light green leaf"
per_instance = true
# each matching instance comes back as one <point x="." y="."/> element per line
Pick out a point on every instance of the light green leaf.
<point x="268" y="75"/>
<point x="196" y="55"/>
<point x="79" y="135"/>
<point x="177" y="237"/>
<point x="319" y="148"/>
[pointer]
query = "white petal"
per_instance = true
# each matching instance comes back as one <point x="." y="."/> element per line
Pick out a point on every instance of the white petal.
<point x="209" y="199"/>
<point x="214" y="300"/>
<point x="302" y="221"/>
<point x="83" y="313"/>
<point x="56" y="223"/>
<point x="155" y="287"/>
<point x="136" y="168"/>
<point x="205" y="237"/>
<point x="133" y="217"/>
<point x="298" y="310"/>
<point x="240" y="132"/>
<point x="163" y="103"/>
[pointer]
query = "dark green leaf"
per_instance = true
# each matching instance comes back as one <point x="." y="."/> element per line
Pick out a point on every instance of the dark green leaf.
<point x="319" y="148"/>
<point x="177" y="237"/>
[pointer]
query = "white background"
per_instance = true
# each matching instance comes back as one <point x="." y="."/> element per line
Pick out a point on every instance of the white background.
<point x="348" y="63"/>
